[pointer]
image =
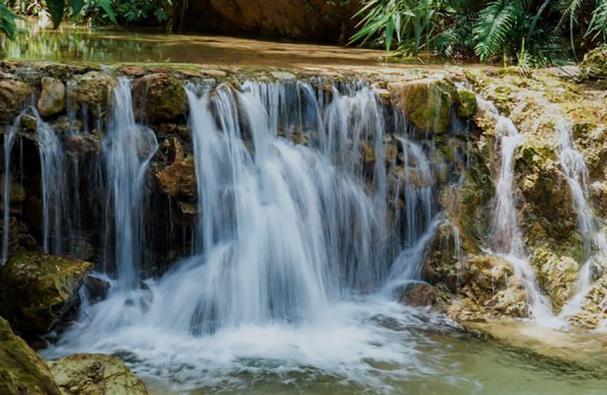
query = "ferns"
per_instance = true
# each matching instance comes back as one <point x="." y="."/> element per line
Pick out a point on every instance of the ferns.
<point x="525" y="31"/>
<point x="494" y="25"/>
<point x="7" y="20"/>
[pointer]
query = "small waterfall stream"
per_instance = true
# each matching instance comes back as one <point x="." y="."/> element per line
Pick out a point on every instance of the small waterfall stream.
<point x="505" y="234"/>
<point x="575" y="171"/>
<point x="9" y="142"/>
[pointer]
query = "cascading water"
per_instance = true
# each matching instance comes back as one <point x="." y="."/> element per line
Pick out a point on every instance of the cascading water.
<point x="575" y="171"/>
<point x="127" y="149"/>
<point x="505" y="233"/>
<point x="292" y="240"/>
<point x="9" y="142"/>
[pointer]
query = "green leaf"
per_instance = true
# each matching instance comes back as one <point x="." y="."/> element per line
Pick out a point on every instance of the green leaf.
<point x="76" y="6"/>
<point x="106" y="5"/>
<point x="56" y="8"/>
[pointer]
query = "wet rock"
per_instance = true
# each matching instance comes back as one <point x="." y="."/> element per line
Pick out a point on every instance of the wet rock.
<point x="81" y="145"/>
<point x="594" y="65"/>
<point x="22" y="371"/>
<point x="46" y="287"/>
<point x="594" y="307"/>
<point x="133" y="71"/>
<point x="95" y="374"/>
<point x="92" y="90"/>
<point x="14" y="95"/>
<point x="465" y="103"/>
<point x="159" y="97"/>
<point x="96" y="288"/>
<point x="187" y="213"/>
<point x="29" y="123"/>
<point x="426" y="103"/>
<point x="52" y="97"/>
<point x="419" y="295"/>
<point x="557" y="275"/>
<point x="179" y="177"/>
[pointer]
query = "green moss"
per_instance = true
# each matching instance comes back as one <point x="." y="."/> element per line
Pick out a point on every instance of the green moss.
<point x="426" y="104"/>
<point x="466" y="103"/>
<point x="22" y="372"/>
<point x="45" y="286"/>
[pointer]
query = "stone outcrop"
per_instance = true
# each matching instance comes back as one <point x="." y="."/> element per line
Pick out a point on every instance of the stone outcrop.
<point x="38" y="290"/>
<point x="92" y="90"/>
<point x="594" y="65"/>
<point x="22" y="371"/>
<point x="14" y="95"/>
<point x="95" y="374"/>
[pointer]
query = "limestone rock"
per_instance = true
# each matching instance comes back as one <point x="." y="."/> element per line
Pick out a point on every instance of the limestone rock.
<point x="419" y="295"/>
<point x="159" y="97"/>
<point x="22" y="372"/>
<point x="52" y="97"/>
<point x="93" y="90"/>
<point x="465" y="103"/>
<point x="95" y="374"/>
<point x="178" y="178"/>
<point x="14" y="95"/>
<point x="46" y="287"/>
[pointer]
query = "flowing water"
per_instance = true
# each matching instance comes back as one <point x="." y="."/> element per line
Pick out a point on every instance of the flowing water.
<point x="595" y="243"/>
<point x="506" y="235"/>
<point x="9" y="142"/>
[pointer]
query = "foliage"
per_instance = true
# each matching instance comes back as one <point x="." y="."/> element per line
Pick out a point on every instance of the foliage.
<point x="7" y="20"/>
<point x="533" y="31"/>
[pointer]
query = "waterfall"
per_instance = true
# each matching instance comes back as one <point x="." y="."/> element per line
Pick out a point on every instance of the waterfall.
<point x="506" y="239"/>
<point x="9" y="141"/>
<point x="293" y="234"/>
<point x="127" y="149"/>
<point x="576" y="173"/>
<point x="54" y="186"/>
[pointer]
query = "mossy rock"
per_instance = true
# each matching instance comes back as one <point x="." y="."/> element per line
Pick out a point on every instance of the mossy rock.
<point x="46" y="288"/>
<point x="594" y="65"/>
<point x="22" y="372"/>
<point x="159" y="97"/>
<point x="465" y="103"/>
<point x="426" y="103"/>
<point x="95" y="374"/>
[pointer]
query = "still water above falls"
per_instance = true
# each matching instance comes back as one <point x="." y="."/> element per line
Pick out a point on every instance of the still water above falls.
<point x="314" y="205"/>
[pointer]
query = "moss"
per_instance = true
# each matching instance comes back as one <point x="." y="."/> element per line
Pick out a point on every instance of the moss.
<point x="22" y="372"/>
<point x="427" y="103"/>
<point x="95" y="374"/>
<point x="466" y="103"/>
<point x="594" y="65"/>
<point x="159" y="97"/>
<point x="92" y="90"/>
<point x="46" y="287"/>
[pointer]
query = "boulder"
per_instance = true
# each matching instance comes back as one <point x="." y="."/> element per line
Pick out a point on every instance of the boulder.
<point x="419" y="295"/>
<point x="426" y="103"/>
<point x="93" y="90"/>
<point x="22" y="372"/>
<point x="178" y="178"/>
<point x="159" y="97"/>
<point x="465" y="103"/>
<point x="52" y="97"/>
<point x="95" y="374"/>
<point x="46" y="287"/>
<point x="14" y="95"/>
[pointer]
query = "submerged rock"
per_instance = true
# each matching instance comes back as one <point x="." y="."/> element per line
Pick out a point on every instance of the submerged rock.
<point x="159" y="97"/>
<point x="52" y="97"/>
<point x="95" y="374"/>
<point x="22" y="371"/>
<point x="46" y="288"/>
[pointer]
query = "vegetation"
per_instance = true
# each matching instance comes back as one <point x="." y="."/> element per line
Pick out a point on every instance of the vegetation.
<point x="7" y="20"/>
<point x="527" y="32"/>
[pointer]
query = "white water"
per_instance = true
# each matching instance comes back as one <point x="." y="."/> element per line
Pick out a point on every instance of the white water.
<point x="291" y="245"/>
<point x="589" y="225"/>
<point x="127" y="149"/>
<point x="506" y="236"/>
<point x="9" y="142"/>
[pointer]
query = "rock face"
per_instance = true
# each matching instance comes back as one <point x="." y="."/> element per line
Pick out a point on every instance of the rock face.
<point x="95" y="374"/>
<point x="52" y="97"/>
<point x="22" y="372"/>
<point x="45" y="287"/>
<point x="159" y="97"/>
<point x="317" y="20"/>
